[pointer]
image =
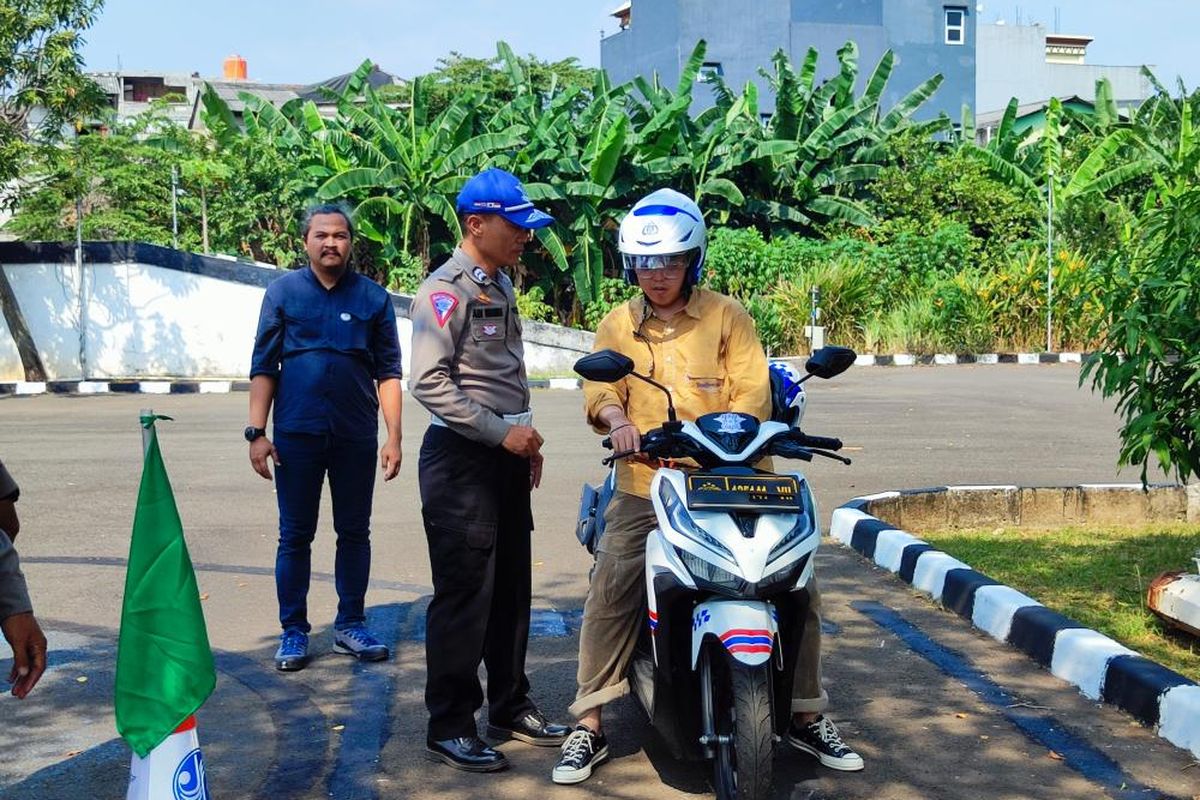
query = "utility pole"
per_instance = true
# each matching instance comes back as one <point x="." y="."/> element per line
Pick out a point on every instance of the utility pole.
<point x="1049" y="261"/>
<point x="83" y="365"/>
<point x="174" y="206"/>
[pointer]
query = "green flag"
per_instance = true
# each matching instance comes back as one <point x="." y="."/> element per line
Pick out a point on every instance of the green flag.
<point x="164" y="664"/>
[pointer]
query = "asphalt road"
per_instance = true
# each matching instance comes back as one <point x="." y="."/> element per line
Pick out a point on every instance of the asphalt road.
<point x="936" y="709"/>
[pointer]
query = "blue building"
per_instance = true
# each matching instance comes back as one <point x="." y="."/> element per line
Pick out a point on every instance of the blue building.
<point x="927" y="37"/>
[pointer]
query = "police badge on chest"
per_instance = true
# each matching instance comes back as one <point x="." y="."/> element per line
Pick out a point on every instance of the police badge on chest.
<point x="487" y="323"/>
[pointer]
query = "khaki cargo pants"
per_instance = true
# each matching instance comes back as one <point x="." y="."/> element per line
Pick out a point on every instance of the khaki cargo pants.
<point x="613" y="614"/>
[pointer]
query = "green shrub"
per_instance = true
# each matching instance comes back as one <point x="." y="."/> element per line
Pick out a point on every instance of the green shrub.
<point x="769" y="323"/>
<point x="845" y="287"/>
<point x="911" y="263"/>
<point x="613" y="292"/>
<point x="1016" y="299"/>
<point x="928" y="188"/>
<point x="406" y="274"/>
<point x="736" y="262"/>
<point x="911" y="327"/>
<point x="960" y="314"/>
<point x="532" y="305"/>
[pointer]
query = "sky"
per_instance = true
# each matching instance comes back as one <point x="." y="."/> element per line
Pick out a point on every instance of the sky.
<point x="303" y="41"/>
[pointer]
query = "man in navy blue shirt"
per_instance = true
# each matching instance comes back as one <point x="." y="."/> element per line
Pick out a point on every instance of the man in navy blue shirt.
<point x="326" y="340"/>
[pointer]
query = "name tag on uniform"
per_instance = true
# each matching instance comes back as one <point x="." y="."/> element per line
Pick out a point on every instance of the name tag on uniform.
<point x="487" y="323"/>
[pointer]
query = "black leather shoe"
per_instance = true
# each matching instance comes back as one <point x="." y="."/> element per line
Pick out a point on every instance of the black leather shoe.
<point x="533" y="728"/>
<point x="469" y="753"/>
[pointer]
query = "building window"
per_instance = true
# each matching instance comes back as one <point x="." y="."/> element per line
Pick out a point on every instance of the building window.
<point x="710" y="71"/>
<point x="956" y="25"/>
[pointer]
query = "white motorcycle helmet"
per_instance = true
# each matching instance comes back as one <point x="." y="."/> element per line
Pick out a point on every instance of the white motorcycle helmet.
<point x="664" y="223"/>
<point x="787" y="395"/>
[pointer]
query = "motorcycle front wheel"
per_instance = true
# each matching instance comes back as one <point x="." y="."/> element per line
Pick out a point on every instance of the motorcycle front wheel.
<point x="741" y="706"/>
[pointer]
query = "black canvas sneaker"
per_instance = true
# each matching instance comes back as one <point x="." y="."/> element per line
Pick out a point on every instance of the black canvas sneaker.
<point x="581" y="752"/>
<point x="820" y="738"/>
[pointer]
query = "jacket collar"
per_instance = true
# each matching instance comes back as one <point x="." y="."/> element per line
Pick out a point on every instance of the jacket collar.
<point x="640" y="310"/>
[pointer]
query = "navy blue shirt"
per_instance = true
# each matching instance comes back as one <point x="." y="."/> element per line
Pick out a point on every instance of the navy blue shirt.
<point x="326" y="348"/>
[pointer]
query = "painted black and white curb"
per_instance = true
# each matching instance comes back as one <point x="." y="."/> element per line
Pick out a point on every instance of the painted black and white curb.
<point x="1100" y="667"/>
<point x="165" y="386"/>
<point x="26" y="388"/>
<point x="948" y="359"/>
<point x="22" y="388"/>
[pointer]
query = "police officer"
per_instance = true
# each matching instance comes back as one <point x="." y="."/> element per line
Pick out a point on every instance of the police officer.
<point x="478" y="462"/>
<point x="17" y="622"/>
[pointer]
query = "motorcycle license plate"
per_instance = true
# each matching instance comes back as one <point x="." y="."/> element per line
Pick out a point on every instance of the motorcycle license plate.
<point x="748" y="492"/>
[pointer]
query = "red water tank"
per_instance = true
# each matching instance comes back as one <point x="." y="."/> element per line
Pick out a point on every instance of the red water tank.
<point x="235" y="68"/>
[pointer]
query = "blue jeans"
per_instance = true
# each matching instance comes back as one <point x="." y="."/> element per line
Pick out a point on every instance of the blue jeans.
<point x="304" y="460"/>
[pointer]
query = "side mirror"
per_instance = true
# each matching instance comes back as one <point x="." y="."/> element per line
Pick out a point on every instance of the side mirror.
<point x="830" y="361"/>
<point x="605" y="366"/>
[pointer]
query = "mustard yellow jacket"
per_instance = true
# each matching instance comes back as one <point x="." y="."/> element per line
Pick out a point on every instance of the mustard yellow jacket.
<point x="708" y="355"/>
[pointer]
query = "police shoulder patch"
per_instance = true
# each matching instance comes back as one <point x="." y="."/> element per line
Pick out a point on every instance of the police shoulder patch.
<point x="443" y="304"/>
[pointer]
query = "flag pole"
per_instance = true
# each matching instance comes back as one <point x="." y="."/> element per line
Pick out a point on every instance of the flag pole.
<point x="144" y="415"/>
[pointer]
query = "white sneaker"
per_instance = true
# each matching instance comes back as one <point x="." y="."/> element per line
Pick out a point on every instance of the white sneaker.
<point x="820" y="738"/>
<point x="358" y="642"/>
<point x="581" y="752"/>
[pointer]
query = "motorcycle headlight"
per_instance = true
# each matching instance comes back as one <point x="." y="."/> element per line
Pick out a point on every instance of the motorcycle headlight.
<point x="682" y="521"/>
<point x="707" y="572"/>
<point x="803" y="528"/>
<point x="784" y="577"/>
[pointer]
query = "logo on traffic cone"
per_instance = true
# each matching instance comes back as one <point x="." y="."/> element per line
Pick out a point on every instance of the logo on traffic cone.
<point x="172" y="771"/>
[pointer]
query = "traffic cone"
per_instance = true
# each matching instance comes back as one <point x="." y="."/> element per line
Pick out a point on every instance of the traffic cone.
<point x="172" y="771"/>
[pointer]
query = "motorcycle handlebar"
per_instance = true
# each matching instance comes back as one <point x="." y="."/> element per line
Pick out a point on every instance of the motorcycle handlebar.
<point x="794" y="444"/>
<point x="820" y="442"/>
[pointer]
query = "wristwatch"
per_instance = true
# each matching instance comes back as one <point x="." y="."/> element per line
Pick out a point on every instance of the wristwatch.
<point x="251" y="433"/>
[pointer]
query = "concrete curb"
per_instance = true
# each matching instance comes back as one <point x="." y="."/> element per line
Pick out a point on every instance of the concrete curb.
<point x="168" y="386"/>
<point x="182" y="386"/>
<point x="948" y="359"/>
<point x="1100" y="667"/>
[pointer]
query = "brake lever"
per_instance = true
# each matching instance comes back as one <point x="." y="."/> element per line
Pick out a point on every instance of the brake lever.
<point x="827" y="454"/>
<point x="616" y="456"/>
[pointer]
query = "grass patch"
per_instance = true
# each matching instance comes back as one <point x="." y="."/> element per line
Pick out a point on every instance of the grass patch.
<point x="1095" y="575"/>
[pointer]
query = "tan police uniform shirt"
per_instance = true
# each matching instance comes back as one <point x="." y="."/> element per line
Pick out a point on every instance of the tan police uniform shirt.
<point x="708" y="355"/>
<point x="468" y="361"/>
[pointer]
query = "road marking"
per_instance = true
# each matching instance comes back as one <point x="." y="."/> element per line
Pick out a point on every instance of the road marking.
<point x="1043" y="729"/>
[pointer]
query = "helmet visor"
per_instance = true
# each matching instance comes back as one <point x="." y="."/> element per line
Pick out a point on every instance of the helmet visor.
<point x="674" y="261"/>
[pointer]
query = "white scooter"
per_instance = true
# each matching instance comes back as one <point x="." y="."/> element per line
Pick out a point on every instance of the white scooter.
<point x="727" y="571"/>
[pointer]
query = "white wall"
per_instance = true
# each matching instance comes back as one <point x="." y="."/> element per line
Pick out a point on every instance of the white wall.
<point x="144" y="321"/>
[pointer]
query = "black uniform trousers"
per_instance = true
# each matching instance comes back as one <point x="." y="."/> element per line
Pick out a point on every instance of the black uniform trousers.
<point x="475" y="504"/>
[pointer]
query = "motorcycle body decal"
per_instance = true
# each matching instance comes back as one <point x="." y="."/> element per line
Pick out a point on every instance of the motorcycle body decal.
<point x="745" y="628"/>
<point x="747" y="640"/>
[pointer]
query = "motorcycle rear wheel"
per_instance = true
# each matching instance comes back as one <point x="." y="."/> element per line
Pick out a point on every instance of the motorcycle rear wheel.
<point x="742" y="769"/>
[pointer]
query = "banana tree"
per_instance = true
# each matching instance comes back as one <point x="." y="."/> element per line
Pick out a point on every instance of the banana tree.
<point x="576" y="158"/>
<point x="1160" y="143"/>
<point x="823" y="144"/>
<point x="403" y="168"/>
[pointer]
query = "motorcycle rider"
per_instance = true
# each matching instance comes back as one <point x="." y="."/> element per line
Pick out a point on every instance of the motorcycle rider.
<point x="702" y="346"/>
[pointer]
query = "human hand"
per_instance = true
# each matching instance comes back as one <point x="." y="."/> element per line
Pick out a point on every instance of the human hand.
<point x="28" y="644"/>
<point x="522" y="440"/>
<point x="625" y="437"/>
<point x="535" y="470"/>
<point x="260" y="450"/>
<point x="389" y="459"/>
